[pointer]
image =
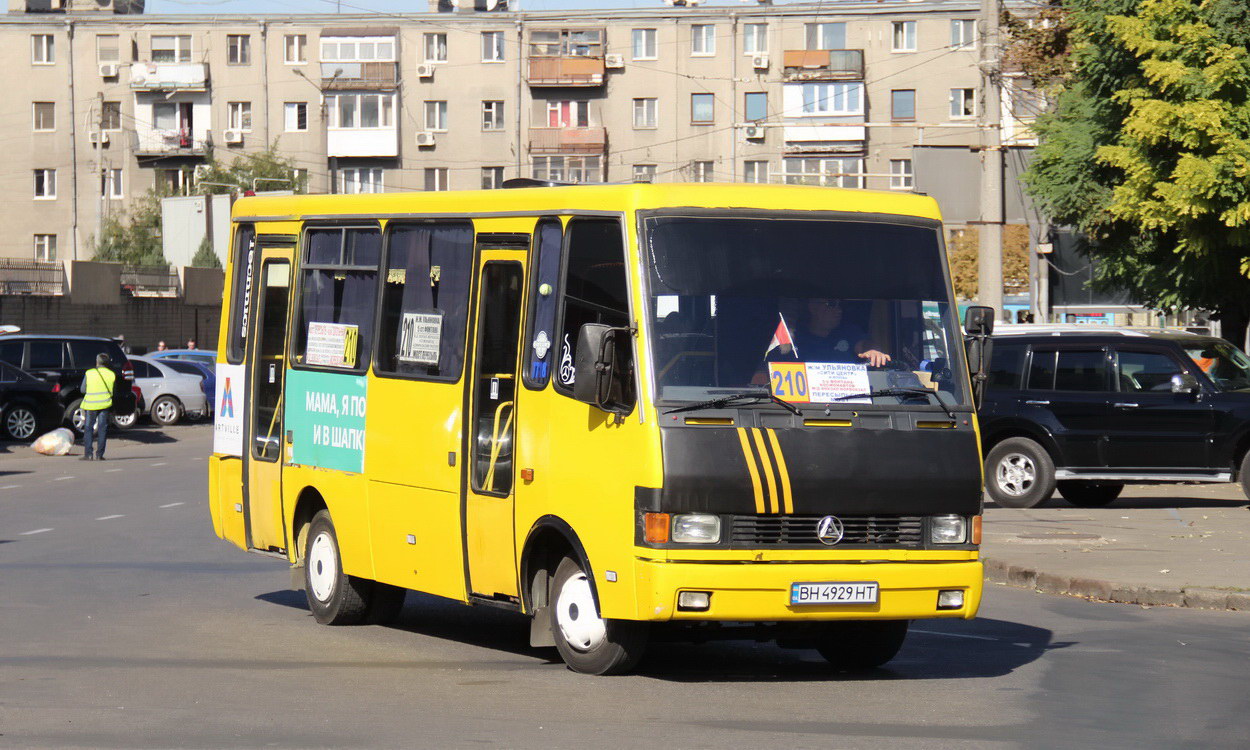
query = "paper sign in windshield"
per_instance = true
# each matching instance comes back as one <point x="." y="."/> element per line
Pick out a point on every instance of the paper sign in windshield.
<point x="332" y="344"/>
<point x="818" y="382"/>
<point x="419" y="337"/>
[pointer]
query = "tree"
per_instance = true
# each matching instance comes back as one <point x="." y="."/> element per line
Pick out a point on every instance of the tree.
<point x="1148" y="151"/>
<point x="134" y="237"/>
<point x="205" y="256"/>
<point x="264" y="170"/>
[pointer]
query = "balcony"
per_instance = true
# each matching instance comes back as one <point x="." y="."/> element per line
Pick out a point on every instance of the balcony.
<point x="824" y="139"/>
<point x="179" y="142"/>
<point x="565" y="71"/>
<point x="358" y="76"/>
<point x="150" y="76"/>
<point x="824" y="65"/>
<point x="362" y="142"/>
<point x="568" y="140"/>
<point x="32" y="277"/>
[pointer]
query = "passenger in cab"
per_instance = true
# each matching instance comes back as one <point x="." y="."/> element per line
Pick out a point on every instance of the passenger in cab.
<point x="825" y="336"/>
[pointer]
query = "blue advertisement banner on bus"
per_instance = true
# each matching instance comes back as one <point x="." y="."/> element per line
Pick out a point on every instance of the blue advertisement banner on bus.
<point x="326" y="415"/>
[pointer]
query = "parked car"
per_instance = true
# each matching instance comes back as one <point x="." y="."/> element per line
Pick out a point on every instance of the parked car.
<point x="207" y="374"/>
<point x="28" y="406"/>
<point x="63" y="361"/>
<point x="1085" y="409"/>
<point x="167" y="393"/>
<point x="194" y="355"/>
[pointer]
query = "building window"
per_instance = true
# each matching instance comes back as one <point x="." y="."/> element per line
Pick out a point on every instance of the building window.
<point x="239" y="49"/>
<point x="354" y="111"/>
<point x="703" y="39"/>
<point x="357" y="49"/>
<point x="171" y="48"/>
<point x="833" y="98"/>
<point x="436" y="47"/>
<point x="435" y="178"/>
<point x="755" y="171"/>
<point x="45" y="183"/>
<point x="492" y="46"/>
<point x="702" y="171"/>
<point x="847" y="172"/>
<point x="111" y="116"/>
<point x="644" y="173"/>
<point x="296" y="116"/>
<point x="568" y="114"/>
<point x="108" y="48"/>
<point x="963" y="33"/>
<point x="645" y="113"/>
<point x="45" y="247"/>
<point x="239" y="116"/>
<point x="963" y="103"/>
<point x="299" y="179"/>
<point x="436" y="116"/>
<point x="355" y="180"/>
<point x="566" y="43"/>
<point x="754" y="38"/>
<point x="492" y="115"/>
<point x="42" y="49"/>
<point x="903" y="36"/>
<point x="492" y="178"/>
<point x="45" y="116"/>
<point x="825" y="35"/>
<point x="644" y="46"/>
<point x="903" y="105"/>
<point x="111" y="183"/>
<point x="339" y="285"/>
<point x="900" y="174"/>
<point x="756" y="106"/>
<point x="295" y="48"/>
<point x="568" y="168"/>
<point x="701" y="111"/>
<point x="174" y="181"/>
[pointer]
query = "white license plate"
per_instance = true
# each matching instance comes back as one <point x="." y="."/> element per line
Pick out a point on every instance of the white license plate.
<point x="858" y="592"/>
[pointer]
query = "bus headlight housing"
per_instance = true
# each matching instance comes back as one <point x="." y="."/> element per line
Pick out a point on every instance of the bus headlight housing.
<point x="696" y="528"/>
<point x="948" y="529"/>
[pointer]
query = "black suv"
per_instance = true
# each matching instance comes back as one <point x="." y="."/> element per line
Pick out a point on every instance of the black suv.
<point x="63" y="361"/>
<point x="1088" y="409"/>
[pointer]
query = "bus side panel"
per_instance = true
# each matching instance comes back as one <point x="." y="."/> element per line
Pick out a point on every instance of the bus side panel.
<point x="346" y="497"/>
<point x="416" y="539"/>
<point x="225" y="490"/>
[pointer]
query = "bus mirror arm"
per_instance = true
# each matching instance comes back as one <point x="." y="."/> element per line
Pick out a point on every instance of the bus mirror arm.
<point x="602" y="372"/>
<point x="978" y="325"/>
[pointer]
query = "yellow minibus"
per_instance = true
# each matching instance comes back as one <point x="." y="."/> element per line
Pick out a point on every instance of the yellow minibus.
<point x="745" y="408"/>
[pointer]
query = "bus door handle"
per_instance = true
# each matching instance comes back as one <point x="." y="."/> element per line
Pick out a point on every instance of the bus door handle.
<point x="1037" y="403"/>
<point x="1125" y="405"/>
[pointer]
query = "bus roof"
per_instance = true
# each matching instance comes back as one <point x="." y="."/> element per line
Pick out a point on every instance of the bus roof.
<point x="587" y="198"/>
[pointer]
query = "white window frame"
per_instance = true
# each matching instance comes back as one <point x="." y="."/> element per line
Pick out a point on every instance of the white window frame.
<point x="644" y="172"/>
<point x="435" y="115"/>
<point x="238" y="49"/>
<point x="756" y="171"/>
<point x="711" y="120"/>
<point x="493" y="51"/>
<point x="291" y="116"/>
<point x="42" y="49"/>
<point x="702" y="171"/>
<point x="833" y="98"/>
<point x="386" y="111"/>
<point x="381" y="48"/>
<point x="960" y="97"/>
<point x="441" y="177"/>
<point x="49" y="184"/>
<point x="99" y="58"/>
<point x="702" y="40"/>
<point x="34" y="118"/>
<point x="963" y="34"/>
<point x="581" y="169"/>
<point x="492" y="178"/>
<point x="901" y="175"/>
<point x="646" y="113"/>
<point x="814" y="33"/>
<point x="237" y="114"/>
<point x="902" y="36"/>
<point x="45" y="247"/>
<point x="493" y="115"/>
<point x="111" y="183"/>
<point x="829" y="171"/>
<point x="182" y="47"/>
<point x="434" y="46"/>
<point x="359" y="180"/>
<point x="577" y="108"/>
<point x="755" y="39"/>
<point x="295" y="49"/>
<point x="644" y="40"/>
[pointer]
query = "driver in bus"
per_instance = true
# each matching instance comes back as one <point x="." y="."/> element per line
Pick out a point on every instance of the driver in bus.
<point x="826" y="337"/>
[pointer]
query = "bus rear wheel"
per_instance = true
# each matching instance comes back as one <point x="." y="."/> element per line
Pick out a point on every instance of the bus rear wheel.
<point x="588" y="643"/>
<point x="334" y="597"/>
<point x="861" y="644"/>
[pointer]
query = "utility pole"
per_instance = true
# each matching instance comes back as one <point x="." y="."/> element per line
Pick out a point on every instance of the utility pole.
<point x="101" y="184"/>
<point x="990" y="256"/>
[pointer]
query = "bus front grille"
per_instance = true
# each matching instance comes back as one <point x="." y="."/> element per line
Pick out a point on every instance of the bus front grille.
<point x="791" y="530"/>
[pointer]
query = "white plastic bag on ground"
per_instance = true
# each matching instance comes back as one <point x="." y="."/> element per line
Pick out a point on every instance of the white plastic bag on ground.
<point x="55" y="443"/>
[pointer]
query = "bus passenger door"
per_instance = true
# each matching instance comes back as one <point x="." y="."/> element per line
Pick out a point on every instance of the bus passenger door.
<point x="264" y="447"/>
<point x="489" y="533"/>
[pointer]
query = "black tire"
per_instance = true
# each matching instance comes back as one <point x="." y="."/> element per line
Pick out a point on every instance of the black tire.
<point x="334" y="597"/>
<point x="124" y="421"/>
<point x="588" y="643"/>
<point x="75" y="419"/>
<point x="1019" y="473"/>
<point x="1085" y="494"/>
<point x="19" y="422"/>
<point x="861" y="644"/>
<point x="385" y="603"/>
<point x="166" y="411"/>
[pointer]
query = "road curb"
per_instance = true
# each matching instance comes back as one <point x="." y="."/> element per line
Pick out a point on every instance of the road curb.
<point x="1020" y="576"/>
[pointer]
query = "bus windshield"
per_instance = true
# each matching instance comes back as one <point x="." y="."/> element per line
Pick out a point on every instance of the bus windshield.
<point x="822" y="311"/>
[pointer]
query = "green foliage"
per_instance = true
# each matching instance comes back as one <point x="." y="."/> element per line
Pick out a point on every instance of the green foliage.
<point x="266" y="170"/>
<point x="134" y="237"/>
<point x="205" y="256"/>
<point x="1039" y="46"/>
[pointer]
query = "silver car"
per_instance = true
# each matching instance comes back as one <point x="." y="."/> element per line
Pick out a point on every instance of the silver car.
<point x="168" y="395"/>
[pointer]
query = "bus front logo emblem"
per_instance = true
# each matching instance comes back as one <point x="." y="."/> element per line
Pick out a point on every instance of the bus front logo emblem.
<point x="829" y="530"/>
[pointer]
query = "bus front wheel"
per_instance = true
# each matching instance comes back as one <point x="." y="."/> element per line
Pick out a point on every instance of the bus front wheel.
<point x="334" y="597"/>
<point x="861" y="644"/>
<point x="588" y="643"/>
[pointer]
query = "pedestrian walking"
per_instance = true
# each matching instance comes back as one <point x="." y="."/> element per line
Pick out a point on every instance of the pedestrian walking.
<point x="97" y="388"/>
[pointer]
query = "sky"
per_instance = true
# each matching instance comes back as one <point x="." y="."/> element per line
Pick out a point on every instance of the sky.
<point x="389" y="6"/>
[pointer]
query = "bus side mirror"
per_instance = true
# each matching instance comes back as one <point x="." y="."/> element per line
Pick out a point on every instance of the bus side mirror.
<point x="978" y="325"/>
<point x="603" y="375"/>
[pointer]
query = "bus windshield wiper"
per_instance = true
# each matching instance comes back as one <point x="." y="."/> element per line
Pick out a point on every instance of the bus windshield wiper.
<point x="903" y="391"/>
<point x="736" y="398"/>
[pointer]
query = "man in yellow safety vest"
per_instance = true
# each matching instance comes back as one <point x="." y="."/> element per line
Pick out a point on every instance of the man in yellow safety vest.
<point x="97" y="399"/>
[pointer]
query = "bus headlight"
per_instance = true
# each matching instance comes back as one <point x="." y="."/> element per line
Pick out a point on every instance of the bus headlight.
<point x="948" y="529"/>
<point x="696" y="528"/>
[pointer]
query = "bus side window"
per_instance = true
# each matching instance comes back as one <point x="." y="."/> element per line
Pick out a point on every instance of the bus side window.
<point x="595" y="289"/>
<point x="240" y="286"/>
<point x="425" y="300"/>
<point x="338" y="285"/>
<point x="541" y="331"/>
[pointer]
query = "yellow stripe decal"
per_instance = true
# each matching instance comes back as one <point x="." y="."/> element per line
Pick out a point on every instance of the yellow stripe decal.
<point x="755" y="477"/>
<point x="786" y="495"/>
<point x="774" y="504"/>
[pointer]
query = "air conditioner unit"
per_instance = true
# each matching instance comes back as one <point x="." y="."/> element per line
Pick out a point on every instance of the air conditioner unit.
<point x="108" y="70"/>
<point x="614" y="61"/>
<point x="425" y="138"/>
<point x="753" y="132"/>
<point x="232" y="136"/>
<point x="760" y="62"/>
<point x="425" y="70"/>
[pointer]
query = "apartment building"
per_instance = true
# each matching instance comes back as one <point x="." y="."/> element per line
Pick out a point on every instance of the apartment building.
<point x="105" y="102"/>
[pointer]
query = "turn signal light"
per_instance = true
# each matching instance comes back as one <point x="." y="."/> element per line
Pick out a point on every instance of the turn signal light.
<point x="976" y="529"/>
<point x="655" y="527"/>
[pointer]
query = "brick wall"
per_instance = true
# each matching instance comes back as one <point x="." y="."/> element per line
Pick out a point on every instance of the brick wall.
<point x="143" y="322"/>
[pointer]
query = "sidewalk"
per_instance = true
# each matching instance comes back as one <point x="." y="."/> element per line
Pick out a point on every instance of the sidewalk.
<point x="1177" y="545"/>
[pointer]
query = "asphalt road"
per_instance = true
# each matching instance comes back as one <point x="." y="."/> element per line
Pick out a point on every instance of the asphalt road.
<point x="124" y="623"/>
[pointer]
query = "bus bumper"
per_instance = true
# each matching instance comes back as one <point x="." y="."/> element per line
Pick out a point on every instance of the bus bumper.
<point x="760" y="592"/>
